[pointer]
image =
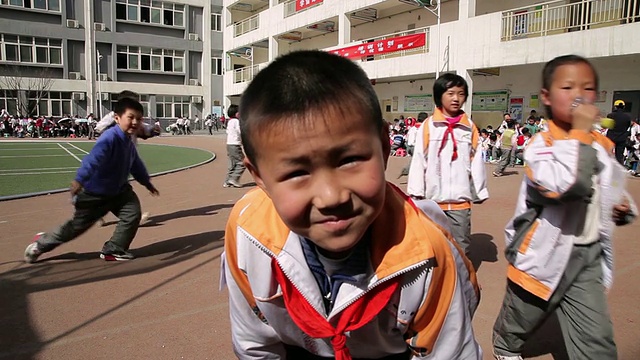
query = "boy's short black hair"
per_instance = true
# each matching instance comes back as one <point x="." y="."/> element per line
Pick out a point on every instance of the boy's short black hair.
<point x="301" y="82"/>
<point x="525" y="131"/>
<point x="128" y="94"/>
<point x="550" y="69"/>
<point x="422" y="117"/>
<point x="484" y="131"/>
<point x="232" y="111"/>
<point x="446" y="82"/>
<point x="126" y="103"/>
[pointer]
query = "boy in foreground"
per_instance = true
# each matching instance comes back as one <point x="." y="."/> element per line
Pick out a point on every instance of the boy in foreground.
<point x="101" y="186"/>
<point x="325" y="259"/>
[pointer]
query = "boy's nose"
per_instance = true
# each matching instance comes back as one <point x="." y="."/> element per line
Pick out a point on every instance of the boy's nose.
<point x="330" y="194"/>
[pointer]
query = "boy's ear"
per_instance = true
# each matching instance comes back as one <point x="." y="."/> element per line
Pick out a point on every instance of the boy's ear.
<point x="253" y="170"/>
<point x="386" y="145"/>
<point x="544" y="94"/>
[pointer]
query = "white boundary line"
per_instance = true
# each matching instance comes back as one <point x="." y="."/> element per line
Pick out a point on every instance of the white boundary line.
<point x="84" y="151"/>
<point x="69" y="152"/>
<point x="27" y="149"/>
<point x="28" y="156"/>
<point x="38" y="169"/>
<point x="56" y="191"/>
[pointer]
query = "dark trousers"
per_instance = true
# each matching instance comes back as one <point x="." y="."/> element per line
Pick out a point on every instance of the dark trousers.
<point x="90" y="208"/>
<point x="619" y="151"/>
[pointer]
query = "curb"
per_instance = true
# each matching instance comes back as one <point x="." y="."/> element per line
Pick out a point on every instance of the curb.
<point x="57" y="191"/>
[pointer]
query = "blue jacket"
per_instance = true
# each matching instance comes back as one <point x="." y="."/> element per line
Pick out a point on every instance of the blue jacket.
<point x="105" y="170"/>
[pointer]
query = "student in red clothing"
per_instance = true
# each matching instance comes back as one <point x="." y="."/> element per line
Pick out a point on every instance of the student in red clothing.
<point x="325" y="259"/>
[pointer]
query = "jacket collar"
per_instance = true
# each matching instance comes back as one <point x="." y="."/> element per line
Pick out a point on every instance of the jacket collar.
<point x="439" y="117"/>
<point x="397" y="240"/>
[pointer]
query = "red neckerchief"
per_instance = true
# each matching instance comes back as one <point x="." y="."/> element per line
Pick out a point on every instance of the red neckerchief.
<point x="451" y="124"/>
<point x="352" y="318"/>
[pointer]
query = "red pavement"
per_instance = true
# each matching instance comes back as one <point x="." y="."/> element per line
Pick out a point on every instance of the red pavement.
<point x="166" y="303"/>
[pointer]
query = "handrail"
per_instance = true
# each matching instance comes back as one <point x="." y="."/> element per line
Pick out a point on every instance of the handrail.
<point x="244" y="26"/>
<point x="549" y="18"/>
<point x="247" y="73"/>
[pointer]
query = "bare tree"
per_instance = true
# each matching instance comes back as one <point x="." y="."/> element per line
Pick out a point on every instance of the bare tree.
<point x="35" y="86"/>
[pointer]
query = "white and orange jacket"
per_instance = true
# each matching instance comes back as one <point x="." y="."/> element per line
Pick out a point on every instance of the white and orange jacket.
<point x="430" y="313"/>
<point x="561" y="171"/>
<point x="435" y="174"/>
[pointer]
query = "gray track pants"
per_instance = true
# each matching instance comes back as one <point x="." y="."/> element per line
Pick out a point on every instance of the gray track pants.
<point x="236" y="167"/>
<point x="461" y="227"/>
<point x="579" y="302"/>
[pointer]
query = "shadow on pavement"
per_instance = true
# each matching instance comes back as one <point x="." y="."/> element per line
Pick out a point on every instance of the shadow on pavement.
<point x="18" y="338"/>
<point x="482" y="249"/>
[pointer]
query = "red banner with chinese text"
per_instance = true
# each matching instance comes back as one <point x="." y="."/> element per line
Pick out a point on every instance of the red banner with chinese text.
<point x="383" y="46"/>
<point x="303" y="4"/>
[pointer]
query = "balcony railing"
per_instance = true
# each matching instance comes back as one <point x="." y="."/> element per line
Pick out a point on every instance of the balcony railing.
<point x="246" y="25"/>
<point x="290" y="7"/>
<point x="556" y="17"/>
<point x="247" y="73"/>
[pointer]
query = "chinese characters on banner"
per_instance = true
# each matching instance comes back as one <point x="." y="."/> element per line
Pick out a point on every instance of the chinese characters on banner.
<point x="303" y="4"/>
<point x="383" y="46"/>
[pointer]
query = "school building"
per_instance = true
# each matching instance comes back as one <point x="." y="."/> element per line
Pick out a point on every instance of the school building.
<point x="498" y="46"/>
<point x="74" y="56"/>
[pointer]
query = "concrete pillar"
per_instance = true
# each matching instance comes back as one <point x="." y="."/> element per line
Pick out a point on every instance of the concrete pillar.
<point x="273" y="48"/>
<point x="344" y="29"/>
<point x="90" y="58"/>
<point x="466" y="74"/>
<point x="466" y="9"/>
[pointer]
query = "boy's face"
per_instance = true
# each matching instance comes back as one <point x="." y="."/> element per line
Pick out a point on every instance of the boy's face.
<point x="330" y="186"/>
<point x="129" y="120"/>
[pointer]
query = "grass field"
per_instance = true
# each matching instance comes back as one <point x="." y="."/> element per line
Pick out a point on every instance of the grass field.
<point x="30" y="167"/>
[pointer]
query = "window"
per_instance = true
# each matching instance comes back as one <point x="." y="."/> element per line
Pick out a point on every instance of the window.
<point x="172" y="106"/>
<point x="144" y="101"/>
<point x="54" y="103"/>
<point x="8" y="101"/>
<point x="147" y="11"/>
<point x="216" y="22"/>
<point x="216" y="66"/>
<point x="47" y="5"/>
<point x="27" y="49"/>
<point x="149" y="59"/>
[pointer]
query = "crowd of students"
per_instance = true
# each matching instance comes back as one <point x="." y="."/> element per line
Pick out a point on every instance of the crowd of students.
<point x="327" y="259"/>
<point x="43" y="127"/>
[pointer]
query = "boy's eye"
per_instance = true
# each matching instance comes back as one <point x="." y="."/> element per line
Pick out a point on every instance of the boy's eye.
<point x="295" y="174"/>
<point x="350" y="160"/>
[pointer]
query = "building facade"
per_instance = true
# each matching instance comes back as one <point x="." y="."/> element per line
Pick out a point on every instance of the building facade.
<point x="72" y="57"/>
<point x="498" y="46"/>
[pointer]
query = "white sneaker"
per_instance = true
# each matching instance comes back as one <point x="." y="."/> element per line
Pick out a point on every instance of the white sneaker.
<point x="144" y="219"/>
<point x="32" y="252"/>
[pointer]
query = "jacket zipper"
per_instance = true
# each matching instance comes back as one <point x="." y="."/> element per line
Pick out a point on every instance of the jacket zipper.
<point x="270" y="253"/>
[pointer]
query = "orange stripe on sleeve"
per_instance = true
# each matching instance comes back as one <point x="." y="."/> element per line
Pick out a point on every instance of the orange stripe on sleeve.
<point x="231" y="254"/>
<point x="527" y="240"/>
<point x="528" y="283"/>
